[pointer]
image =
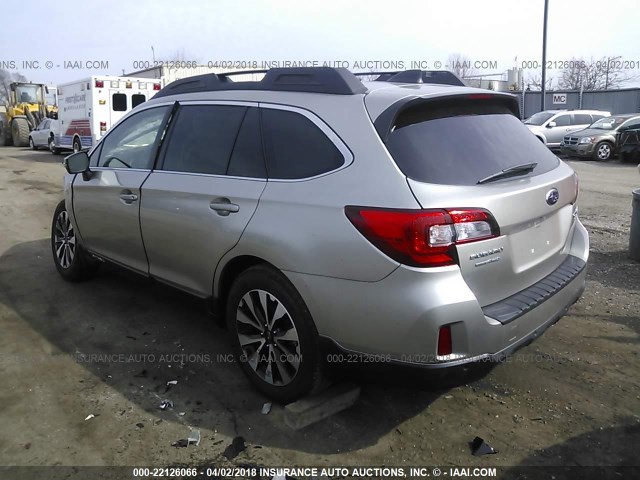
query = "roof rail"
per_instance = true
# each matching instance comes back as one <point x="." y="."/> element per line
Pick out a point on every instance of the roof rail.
<point x="440" y="77"/>
<point x="338" y="81"/>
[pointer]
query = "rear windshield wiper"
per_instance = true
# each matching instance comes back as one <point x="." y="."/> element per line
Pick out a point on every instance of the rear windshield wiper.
<point x="515" y="170"/>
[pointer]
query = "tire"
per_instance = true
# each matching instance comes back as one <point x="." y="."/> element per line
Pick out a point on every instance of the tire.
<point x="603" y="152"/>
<point x="77" y="146"/>
<point x="299" y="370"/>
<point x="32" y="145"/>
<point x="20" y="132"/>
<point x="71" y="261"/>
<point x="52" y="148"/>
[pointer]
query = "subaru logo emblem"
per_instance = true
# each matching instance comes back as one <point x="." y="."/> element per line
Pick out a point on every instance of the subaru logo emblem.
<point x="552" y="196"/>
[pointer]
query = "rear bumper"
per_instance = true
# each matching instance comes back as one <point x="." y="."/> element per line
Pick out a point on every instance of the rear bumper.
<point x="397" y="319"/>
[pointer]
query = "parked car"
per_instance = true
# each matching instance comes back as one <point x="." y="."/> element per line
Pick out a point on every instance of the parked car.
<point x="406" y="222"/>
<point x="550" y="126"/>
<point x="598" y="140"/>
<point x="45" y="136"/>
<point x="628" y="142"/>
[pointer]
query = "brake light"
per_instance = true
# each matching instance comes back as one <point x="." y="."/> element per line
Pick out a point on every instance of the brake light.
<point x="422" y="238"/>
<point x="103" y="126"/>
<point x="444" y="341"/>
<point x="99" y="84"/>
<point x="480" y="96"/>
<point x="156" y="86"/>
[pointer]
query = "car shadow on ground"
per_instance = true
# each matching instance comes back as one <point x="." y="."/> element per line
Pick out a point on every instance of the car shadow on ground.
<point x="135" y="335"/>
<point x="574" y="458"/>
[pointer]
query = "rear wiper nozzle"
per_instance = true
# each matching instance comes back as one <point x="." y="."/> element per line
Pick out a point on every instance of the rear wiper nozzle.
<point x="507" y="172"/>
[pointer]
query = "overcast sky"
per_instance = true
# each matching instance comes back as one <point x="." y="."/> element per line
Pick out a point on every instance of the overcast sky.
<point x="122" y="32"/>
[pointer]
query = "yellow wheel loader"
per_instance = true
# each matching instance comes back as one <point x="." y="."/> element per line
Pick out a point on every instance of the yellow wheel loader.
<point x="24" y="111"/>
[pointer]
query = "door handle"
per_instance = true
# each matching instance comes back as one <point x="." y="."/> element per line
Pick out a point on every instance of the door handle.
<point x="223" y="206"/>
<point x="128" y="197"/>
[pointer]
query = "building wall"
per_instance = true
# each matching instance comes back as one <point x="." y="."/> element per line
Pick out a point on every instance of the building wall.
<point x="614" y="101"/>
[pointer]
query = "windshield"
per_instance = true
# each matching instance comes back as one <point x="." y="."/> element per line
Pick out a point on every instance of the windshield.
<point x="608" y="123"/>
<point x="28" y="94"/>
<point x="539" y="118"/>
<point x="464" y="149"/>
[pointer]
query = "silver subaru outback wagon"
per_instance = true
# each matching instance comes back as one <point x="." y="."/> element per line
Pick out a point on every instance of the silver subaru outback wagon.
<point x="408" y="217"/>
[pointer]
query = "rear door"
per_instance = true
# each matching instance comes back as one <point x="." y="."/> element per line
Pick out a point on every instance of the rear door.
<point x="580" y="121"/>
<point x="444" y="158"/>
<point x="106" y="206"/>
<point x="196" y="204"/>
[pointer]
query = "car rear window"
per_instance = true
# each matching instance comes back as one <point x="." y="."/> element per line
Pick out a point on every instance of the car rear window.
<point x="466" y="147"/>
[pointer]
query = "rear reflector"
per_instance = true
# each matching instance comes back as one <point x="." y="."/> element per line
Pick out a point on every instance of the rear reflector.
<point x="422" y="238"/>
<point x="156" y="86"/>
<point x="99" y="84"/>
<point x="444" y="341"/>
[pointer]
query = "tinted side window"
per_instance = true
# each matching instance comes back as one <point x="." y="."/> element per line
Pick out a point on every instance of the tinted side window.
<point x="633" y="124"/>
<point x="581" y="119"/>
<point x="202" y="139"/>
<point x="119" y="102"/>
<point x="247" y="159"/>
<point x="563" y="120"/>
<point x="137" y="99"/>
<point x="295" y="147"/>
<point x="131" y="144"/>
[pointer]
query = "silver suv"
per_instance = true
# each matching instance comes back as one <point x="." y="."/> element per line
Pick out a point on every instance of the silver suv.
<point x="393" y="220"/>
<point x="550" y="126"/>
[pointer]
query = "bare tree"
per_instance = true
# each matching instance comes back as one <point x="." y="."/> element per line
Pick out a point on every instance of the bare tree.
<point x="593" y="74"/>
<point x="533" y="81"/>
<point x="460" y="65"/>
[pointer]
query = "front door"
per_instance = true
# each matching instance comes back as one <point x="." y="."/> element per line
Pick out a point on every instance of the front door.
<point x="107" y="206"/>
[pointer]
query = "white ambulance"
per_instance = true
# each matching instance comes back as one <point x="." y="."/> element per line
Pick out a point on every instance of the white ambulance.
<point x="88" y="108"/>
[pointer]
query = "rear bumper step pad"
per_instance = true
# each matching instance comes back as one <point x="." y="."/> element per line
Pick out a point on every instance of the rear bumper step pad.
<point x="516" y="305"/>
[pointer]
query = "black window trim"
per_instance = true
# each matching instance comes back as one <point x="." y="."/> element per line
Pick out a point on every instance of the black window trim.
<point x="158" y="140"/>
<point x="317" y="121"/>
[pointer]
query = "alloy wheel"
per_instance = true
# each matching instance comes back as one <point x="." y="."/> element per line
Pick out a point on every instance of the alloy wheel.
<point x="604" y="151"/>
<point x="65" y="240"/>
<point x="268" y="338"/>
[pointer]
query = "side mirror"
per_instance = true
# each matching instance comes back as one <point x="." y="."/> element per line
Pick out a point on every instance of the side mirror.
<point x="551" y="124"/>
<point x="78" y="163"/>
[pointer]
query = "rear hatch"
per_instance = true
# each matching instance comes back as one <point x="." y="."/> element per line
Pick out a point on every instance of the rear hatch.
<point x="472" y="152"/>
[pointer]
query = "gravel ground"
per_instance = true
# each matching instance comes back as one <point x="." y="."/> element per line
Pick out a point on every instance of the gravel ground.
<point x="570" y="398"/>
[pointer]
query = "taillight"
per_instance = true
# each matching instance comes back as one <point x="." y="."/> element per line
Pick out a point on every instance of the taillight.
<point x="156" y="86"/>
<point x="444" y="341"/>
<point x="103" y="126"/>
<point x="99" y="84"/>
<point x="422" y="238"/>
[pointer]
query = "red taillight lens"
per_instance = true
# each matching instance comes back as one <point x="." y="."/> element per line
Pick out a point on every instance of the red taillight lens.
<point x="422" y="238"/>
<point x="103" y="126"/>
<point x="99" y="84"/>
<point x="444" y="341"/>
<point x="156" y="86"/>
